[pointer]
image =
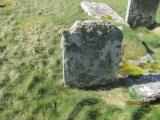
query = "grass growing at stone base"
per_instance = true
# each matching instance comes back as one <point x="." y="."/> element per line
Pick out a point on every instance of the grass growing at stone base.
<point x="31" y="85"/>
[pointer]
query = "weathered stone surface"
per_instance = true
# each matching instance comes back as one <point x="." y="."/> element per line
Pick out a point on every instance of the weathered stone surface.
<point x="147" y="87"/>
<point x="91" y="53"/>
<point x="142" y="12"/>
<point x="99" y="10"/>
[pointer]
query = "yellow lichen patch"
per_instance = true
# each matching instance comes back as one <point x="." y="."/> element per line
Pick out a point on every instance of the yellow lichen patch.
<point x="152" y="67"/>
<point x="153" y="71"/>
<point x="129" y="69"/>
<point x="155" y="66"/>
<point x="144" y="65"/>
<point x="107" y="18"/>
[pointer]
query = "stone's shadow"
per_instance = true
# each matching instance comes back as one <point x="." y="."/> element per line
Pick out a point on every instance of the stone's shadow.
<point x="109" y="86"/>
<point x="2" y="6"/>
<point x="151" y="27"/>
<point x="130" y="81"/>
<point x="127" y="82"/>
<point x="148" y="80"/>
<point x="154" y="26"/>
<point x="156" y="102"/>
<point x="157" y="24"/>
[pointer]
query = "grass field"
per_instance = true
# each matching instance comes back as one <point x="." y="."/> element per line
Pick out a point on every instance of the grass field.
<point x="31" y="81"/>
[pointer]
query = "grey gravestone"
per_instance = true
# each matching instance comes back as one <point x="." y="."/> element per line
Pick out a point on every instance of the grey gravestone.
<point x="99" y="10"/>
<point x="91" y="53"/>
<point x="142" y="13"/>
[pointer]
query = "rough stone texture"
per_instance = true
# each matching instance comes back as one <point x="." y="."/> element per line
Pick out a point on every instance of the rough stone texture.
<point x="147" y="87"/>
<point x="142" y="12"/>
<point x="98" y="10"/>
<point x="91" y="53"/>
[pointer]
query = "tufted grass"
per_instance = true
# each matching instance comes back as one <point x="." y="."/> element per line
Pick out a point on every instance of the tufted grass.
<point x="31" y="83"/>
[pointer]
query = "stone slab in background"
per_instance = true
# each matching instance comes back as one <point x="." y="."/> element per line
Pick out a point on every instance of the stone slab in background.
<point x="98" y="10"/>
<point x="142" y="13"/>
<point x="91" y="53"/>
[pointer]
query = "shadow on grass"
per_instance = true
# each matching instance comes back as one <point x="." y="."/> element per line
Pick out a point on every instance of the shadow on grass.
<point x="80" y="105"/>
<point x="156" y="25"/>
<point x="126" y="82"/>
<point x="139" y="112"/>
<point x="129" y="82"/>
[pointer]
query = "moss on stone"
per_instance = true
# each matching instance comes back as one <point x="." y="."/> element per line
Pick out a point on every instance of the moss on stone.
<point x="153" y="68"/>
<point x="153" y="71"/>
<point x="129" y="69"/>
<point x="144" y="65"/>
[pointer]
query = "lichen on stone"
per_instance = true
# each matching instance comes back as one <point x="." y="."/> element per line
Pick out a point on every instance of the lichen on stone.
<point x="152" y="67"/>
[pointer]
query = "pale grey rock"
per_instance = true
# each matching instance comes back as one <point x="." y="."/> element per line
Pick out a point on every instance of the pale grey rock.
<point x="98" y="10"/>
<point x="142" y="13"/>
<point x="147" y="87"/>
<point x="91" y="53"/>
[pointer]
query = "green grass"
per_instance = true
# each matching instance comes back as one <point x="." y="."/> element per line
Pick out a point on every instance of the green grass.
<point x="31" y="82"/>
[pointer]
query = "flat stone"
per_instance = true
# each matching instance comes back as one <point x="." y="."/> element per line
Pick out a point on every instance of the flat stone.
<point x="147" y="87"/>
<point x="91" y="53"/>
<point x="98" y="10"/>
<point x="142" y="13"/>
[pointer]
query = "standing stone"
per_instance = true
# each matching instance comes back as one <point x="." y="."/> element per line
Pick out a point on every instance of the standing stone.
<point x="142" y="13"/>
<point x="91" y="53"/>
